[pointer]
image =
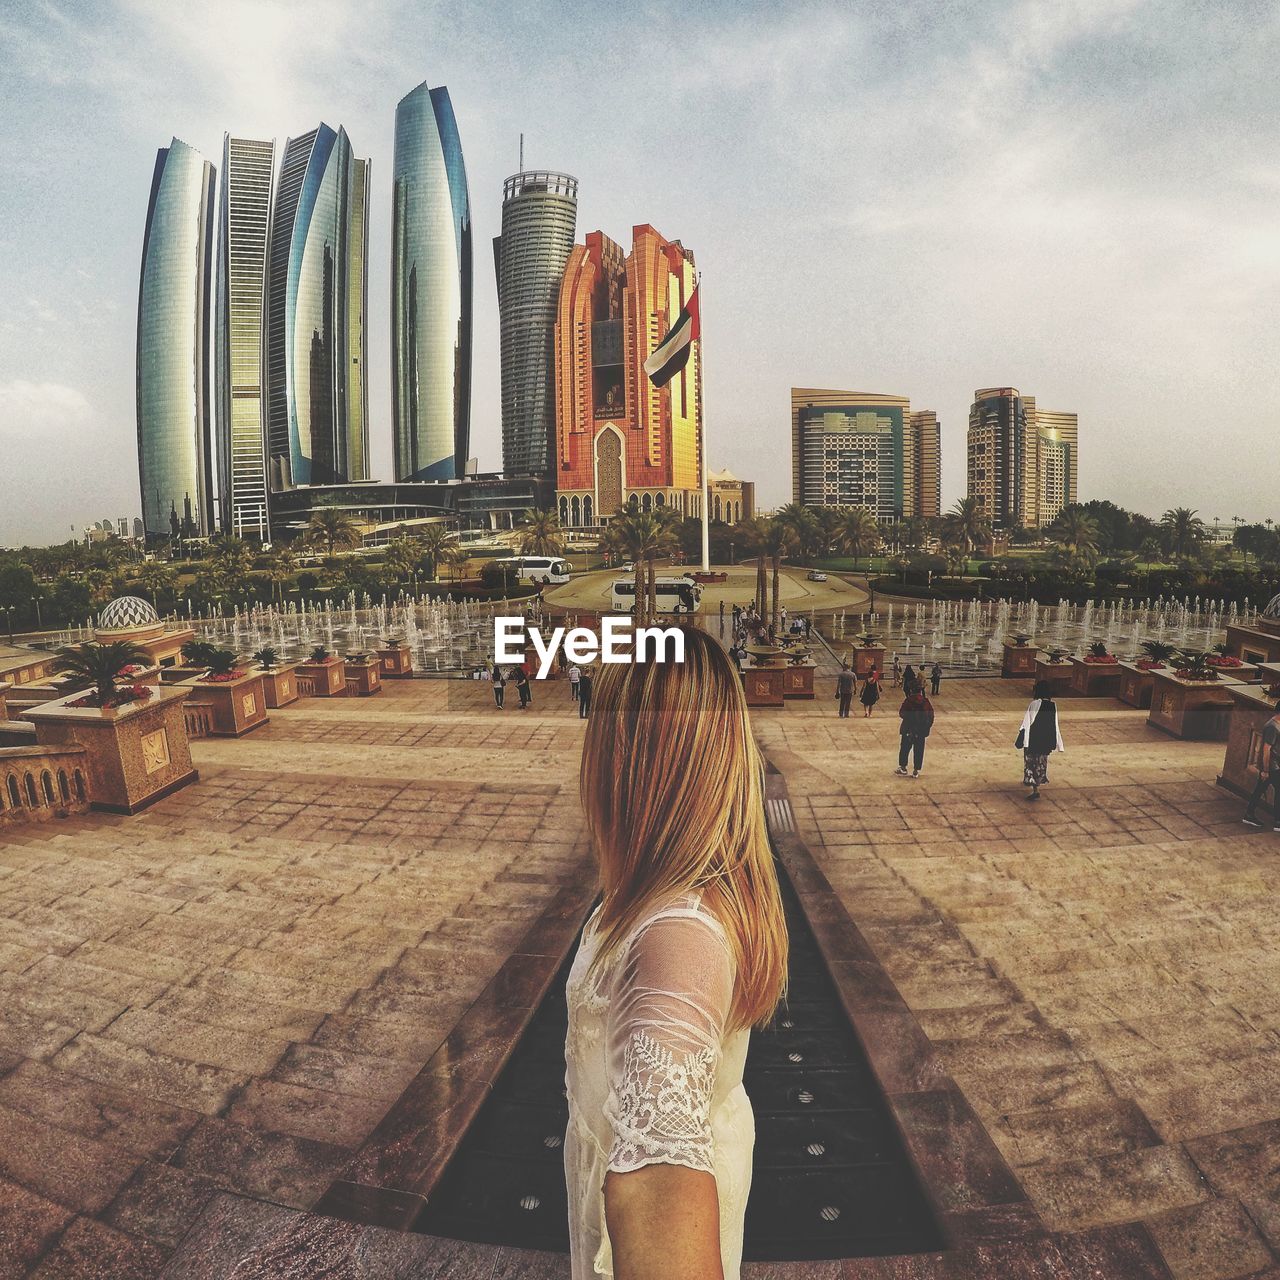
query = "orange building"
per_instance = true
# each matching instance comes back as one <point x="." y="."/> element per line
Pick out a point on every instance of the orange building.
<point x="619" y="439"/>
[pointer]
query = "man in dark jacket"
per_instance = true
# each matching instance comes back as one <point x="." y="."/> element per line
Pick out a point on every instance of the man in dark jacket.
<point x="916" y="714"/>
<point x="846" y="686"/>
<point x="584" y="694"/>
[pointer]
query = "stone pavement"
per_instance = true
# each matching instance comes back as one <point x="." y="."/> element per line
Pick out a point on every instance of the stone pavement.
<point x="226" y="993"/>
<point x="1099" y="969"/>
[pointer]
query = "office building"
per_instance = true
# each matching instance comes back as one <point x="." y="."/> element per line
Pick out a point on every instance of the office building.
<point x="431" y="274"/>
<point x="174" y="448"/>
<point x="927" y="450"/>
<point x="619" y="439"/>
<point x="539" y="217"/>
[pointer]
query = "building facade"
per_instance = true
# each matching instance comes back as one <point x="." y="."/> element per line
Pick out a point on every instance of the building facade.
<point x="174" y="448"/>
<point x="431" y="277"/>
<point x="854" y="449"/>
<point x="619" y="439"/>
<point x="729" y="499"/>
<point x="927" y="449"/>
<point x="1022" y="464"/>
<point x="244" y="223"/>
<point x="539" y="219"/>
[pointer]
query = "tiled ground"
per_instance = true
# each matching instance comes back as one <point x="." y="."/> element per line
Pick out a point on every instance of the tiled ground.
<point x="1099" y="969"/>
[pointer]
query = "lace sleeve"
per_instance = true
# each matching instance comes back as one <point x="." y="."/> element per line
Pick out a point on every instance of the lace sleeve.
<point x="667" y="1016"/>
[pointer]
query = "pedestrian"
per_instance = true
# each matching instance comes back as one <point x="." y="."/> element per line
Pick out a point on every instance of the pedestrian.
<point x="584" y="694"/>
<point x="522" y="688"/>
<point x="721" y="615"/>
<point x="782" y="613"/>
<point x="908" y="678"/>
<point x="897" y="671"/>
<point x="870" y="692"/>
<point x="575" y="678"/>
<point x="1268" y="775"/>
<point x="916" y="716"/>
<point x="499" y="686"/>
<point x="736" y="654"/>
<point x="846" y="684"/>
<point x="935" y="677"/>
<point x="1038" y="738"/>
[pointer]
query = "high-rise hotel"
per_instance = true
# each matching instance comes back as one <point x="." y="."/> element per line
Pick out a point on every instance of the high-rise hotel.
<point x="619" y="439"/>
<point x="864" y="449"/>
<point x="1022" y="459"/>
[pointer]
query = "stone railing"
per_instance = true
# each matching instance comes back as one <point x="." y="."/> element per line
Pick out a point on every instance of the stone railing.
<point x="306" y="686"/>
<point x="37" y="783"/>
<point x="198" y="718"/>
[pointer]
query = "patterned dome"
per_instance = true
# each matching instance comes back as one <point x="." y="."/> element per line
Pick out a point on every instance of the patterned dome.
<point x="1273" y="608"/>
<point x="125" y="612"/>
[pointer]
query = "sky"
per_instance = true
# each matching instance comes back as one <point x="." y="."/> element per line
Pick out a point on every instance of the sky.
<point x="1079" y="198"/>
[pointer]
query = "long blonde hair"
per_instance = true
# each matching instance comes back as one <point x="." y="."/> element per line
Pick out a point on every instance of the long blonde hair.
<point x="672" y="785"/>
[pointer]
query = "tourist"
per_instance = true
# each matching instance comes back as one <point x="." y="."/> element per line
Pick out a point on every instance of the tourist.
<point x="685" y="954"/>
<point x="916" y="716"/>
<point x="575" y="677"/>
<point x="721" y="615"/>
<point x="870" y="692"/>
<point x="782" y="613"/>
<point x="908" y="678"/>
<point x="584" y="694"/>
<point x="736" y="654"/>
<point x="499" y="686"/>
<point x="1268" y="775"/>
<point x="1038" y="738"/>
<point x="846" y="687"/>
<point x="897" y="671"/>
<point x="523" y="688"/>
<point x="935" y="677"/>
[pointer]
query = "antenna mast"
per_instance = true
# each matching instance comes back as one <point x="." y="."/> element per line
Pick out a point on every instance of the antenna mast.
<point x="522" y="153"/>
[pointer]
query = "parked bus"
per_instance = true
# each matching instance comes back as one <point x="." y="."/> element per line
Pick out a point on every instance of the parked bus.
<point x="538" y="570"/>
<point x="672" y="595"/>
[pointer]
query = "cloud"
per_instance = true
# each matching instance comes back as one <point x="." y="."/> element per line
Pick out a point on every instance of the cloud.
<point x="35" y="409"/>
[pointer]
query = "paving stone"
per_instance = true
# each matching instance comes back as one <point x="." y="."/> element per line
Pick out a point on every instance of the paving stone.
<point x="1215" y="1240"/>
<point x="159" y="1203"/>
<point x="29" y="1224"/>
<point x="90" y="1250"/>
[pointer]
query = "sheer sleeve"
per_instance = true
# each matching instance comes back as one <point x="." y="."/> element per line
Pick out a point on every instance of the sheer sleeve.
<point x="671" y="1001"/>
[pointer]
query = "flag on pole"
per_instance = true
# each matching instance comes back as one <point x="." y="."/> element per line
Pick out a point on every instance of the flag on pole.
<point x="672" y="353"/>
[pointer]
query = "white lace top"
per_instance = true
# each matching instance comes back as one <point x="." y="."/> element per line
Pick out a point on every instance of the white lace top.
<point x="652" y="1077"/>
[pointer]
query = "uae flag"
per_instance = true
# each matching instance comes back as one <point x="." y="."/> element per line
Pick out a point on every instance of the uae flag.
<point x="672" y="353"/>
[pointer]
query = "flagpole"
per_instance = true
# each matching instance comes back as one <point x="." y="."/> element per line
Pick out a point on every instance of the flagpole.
<point x="702" y="423"/>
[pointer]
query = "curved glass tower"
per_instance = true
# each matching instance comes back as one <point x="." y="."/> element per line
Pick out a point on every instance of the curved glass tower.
<point x="539" y="217"/>
<point x="313" y="348"/>
<point x="431" y="266"/>
<point x="174" y="463"/>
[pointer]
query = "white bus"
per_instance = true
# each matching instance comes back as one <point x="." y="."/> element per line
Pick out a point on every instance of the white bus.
<point x="538" y="570"/>
<point x="672" y="595"/>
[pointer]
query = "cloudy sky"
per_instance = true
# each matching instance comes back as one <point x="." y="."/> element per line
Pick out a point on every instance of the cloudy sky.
<point x="1080" y="198"/>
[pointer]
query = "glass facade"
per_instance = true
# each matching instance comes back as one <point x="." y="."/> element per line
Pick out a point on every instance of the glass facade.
<point x="312" y="437"/>
<point x="852" y="455"/>
<point x="244" y="214"/>
<point x="431" y="270"/>
<point x="174" y="456"/>
<point x="539" y="218"/>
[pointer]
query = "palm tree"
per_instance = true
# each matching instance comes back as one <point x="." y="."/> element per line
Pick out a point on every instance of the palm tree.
<point x="914" y="530"/>
<point x="969" y="523"/>
<point x="644" y="538"/>
<point x="155" y="577"/>
<point x="433" y="543"/>
<point x="777" y="541"/>
<point x="1183" y="531"/>
<point x="1077" y="535"/>
<point x="806" y="529"/>
<point x="859" y="533"/>
<point x="99" y="583"/>
<point x="281" y="570"/>
<point x="333" y="530"/>
<point x="100" y="665"/>
<point x="404" y="554"/>
<point x="755" y="534"/>
<point x="539" y="534"/>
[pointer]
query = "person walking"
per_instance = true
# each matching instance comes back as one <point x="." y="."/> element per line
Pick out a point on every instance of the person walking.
<point x="916" y="715"/>
<point x="575" y="679"/>
<point x="935" y="677"/>
<point x="522" y="688"/>
<point x="870" y="692"/>
<point x="846" y="684"/>
<point x="721" y="617"/>
<point x="1039" y="737"/>
<point x="897" y="671"/>
<point x="736" y="654"/>
<point x="1268" y="775"/>
<point x="499" y="686"/>
<point x="584" y="694"/>
<point x="908" y="678"/>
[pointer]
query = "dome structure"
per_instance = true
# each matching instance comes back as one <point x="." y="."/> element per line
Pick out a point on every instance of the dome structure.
<point x="125" y="613"/>
<point x="1273" y="608"/>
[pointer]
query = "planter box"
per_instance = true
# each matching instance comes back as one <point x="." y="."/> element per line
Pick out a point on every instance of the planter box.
<point x="1136" y="685"/>
<point x="1189" y="709"/>
<point x="1019" y="661"/>
<point x="1058" y="674"/>
<point x="1246" y="673"/>
<point x="280" y="685"/>
<point x="1254" y="644"/>
<point x="322" y="679"/>
<point x="1250" y="710"/>
<point x="134" y="755"/>
<point x="236" y="707"/>
<point x="180" y="675"/>
<point x="1094" y="679"/>
<point x="363" y="679"/>
<point x="797" y="681"/>
<point x="864" y="659"/>
<point x="397" y="662"/>
<point x="763" y="685"/>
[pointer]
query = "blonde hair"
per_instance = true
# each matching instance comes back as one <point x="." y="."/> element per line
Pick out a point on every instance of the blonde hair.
<point x="672" y="785"/>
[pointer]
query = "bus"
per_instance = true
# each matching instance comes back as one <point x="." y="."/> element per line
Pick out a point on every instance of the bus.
<point x="672" y="595"/>
<point x="538" y="570"/>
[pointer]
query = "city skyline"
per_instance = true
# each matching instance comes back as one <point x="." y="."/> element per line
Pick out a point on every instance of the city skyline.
<point x="1098" y="166"/>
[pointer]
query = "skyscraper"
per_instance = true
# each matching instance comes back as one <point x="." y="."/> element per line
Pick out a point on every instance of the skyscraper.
<point x="539" y="216"/>
<point x="174" y="457"/>
<point x="314" y="325"/>
<point x="620" y="439"/>
<point x="928" y="462"/>
<point x="431" y="269"/>
<point x="244" y="218"/>
<point x="1022" y="460"/>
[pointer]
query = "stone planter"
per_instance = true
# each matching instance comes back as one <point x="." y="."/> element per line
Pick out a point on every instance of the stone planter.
<point x="134" y="755"/>
<point x="4" y="706"/>
<point x="280" y="684"/>
<point x="1254" y="644"/>
<point x="325" y="679"/>
<point x="1191" y="709"/>
<point x="1250" y="710"/>
<point x="364" y="678"/>
<point x="236" y="707"/>
<point x="397" y="662"/>
<point x="797" y="681"/>
<point x="1136" y="685"/>
<point x="764" y="685"/>
<point x="1019" y="662"/>
<point x="180" y="675"/>
<point x="1246" y="673"/>
<point x="1094" y="679"/>
<point x="1058" y="674"/>
<point x="865" y="658"/>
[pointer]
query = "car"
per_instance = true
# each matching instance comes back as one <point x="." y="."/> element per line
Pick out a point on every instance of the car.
<point x="629" y="567"/>
<point x="816" y="575"/>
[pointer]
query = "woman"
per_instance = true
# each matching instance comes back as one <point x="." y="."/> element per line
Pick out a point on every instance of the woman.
<point x="870" y="694"/>
<point x="686" y="952"/>
<point x="499" y="686"/>
<point x="1039" y="737"/>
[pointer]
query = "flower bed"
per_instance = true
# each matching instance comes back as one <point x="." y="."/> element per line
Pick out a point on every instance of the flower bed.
<point x="1149" y="664"/>
<point x="1099" y="659"/>
<point x="1223" y="660"/>
<point x="122" y="697"/>
<point x="222" y="677"/>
